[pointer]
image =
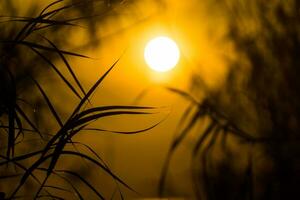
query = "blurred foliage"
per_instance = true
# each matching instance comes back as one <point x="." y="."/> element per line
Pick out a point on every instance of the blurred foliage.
<point x="249" y="146"/>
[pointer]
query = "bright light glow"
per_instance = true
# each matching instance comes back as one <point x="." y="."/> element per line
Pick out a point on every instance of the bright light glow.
<point x="161" y="54"/>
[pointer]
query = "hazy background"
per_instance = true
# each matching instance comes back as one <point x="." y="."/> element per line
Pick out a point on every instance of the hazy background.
<point x="210" y="36"/>
<point x="122" y="32"/>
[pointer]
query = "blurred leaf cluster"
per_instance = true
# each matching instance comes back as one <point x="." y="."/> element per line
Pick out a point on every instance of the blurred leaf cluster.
<point x="248" y="146"/>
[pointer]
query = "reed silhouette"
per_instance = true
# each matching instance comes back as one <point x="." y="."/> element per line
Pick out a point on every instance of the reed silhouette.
<point x="248" y="147"/>
<point x="31" y="46"/>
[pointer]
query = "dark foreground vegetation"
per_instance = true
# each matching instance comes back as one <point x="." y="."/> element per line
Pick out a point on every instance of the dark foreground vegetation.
<point x="33" y="152"/>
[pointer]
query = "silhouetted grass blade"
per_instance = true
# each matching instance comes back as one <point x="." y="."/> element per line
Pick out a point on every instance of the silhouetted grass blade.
<point x="109" y="108"/>
<point x="42" y="47"/>
<point x="50" y="5"/>
<point x="123" y="132"/>
<point x="99" y="165"/>
<point x="83" y="180"/>
<point x="93" y="88"/>
<point x="65" y="179"/>
<point x="52" y="109"/>
<point x="22" y="113"/>
<point x="58" y="72"/>
<point x="67" y="65"/>
<point x="90" y="118"/>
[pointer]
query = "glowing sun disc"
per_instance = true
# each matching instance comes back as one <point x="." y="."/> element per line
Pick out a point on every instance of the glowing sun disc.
<point x="161" y="54"/>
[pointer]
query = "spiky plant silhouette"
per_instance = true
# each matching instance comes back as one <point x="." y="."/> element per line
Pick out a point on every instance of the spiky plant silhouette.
<point x="257" y="109"/>
<point x="30" y="46"/>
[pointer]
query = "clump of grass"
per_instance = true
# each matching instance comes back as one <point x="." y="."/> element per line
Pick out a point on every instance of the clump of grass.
<point x="39" y="165"/>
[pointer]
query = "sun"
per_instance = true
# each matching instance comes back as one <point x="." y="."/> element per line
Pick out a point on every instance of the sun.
<point x="161" y="54"/>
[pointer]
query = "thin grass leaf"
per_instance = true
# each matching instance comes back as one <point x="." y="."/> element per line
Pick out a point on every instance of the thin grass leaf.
<point x="59" y="148"/>
<point x="205" y="159"/>
<point x="20" y="158"/>
<point x="24" y="169"/>
<point x="197" y="115"/>
<point x="48" y="22"/>
<point x="23" y="141"/>
<point x="29" y="171"/>
<point x="63" y="8"/>
<point x="58" y="72"/>
<point x="64" y="139"/>
<point x="65" y="179"/>
<point x="49" y="6"/>
<point x="42" y="47"/>
<point x="122" y="132"/>
<point x="10" y="176"/>
<point x="57" y="151"/>
<point x="172" y="149"/>
<point x="202" y="138"/>
<point x="84" y="181"/>
<point x="49" y="104"/>
<point x="163" y="174"/>
<point x="13" y="17"/>
<point x="141" y="95"/>
<point x="19" y="127"/>
<point x="99" y="165"/>
<point x="67" y="65"/>
<point x="21" y="32"/>
<point x="43" y="15"/>
<point x="214" y="129"/>
<point x="95" y="154"/>
<point x="75" y="148"/>
<point x="233" y="129"/>
<point x="51" y="25"/>
<point x="108" y="108"/>
<point x="32" y="24"/>
<point x="91" y="150"/>
<point x="42" y="186"/>
<point x="23" y="129"/>
<point x="93" y="88"/>
<point x="22" y="113"/>
<point x="184" y="94"/>
<point x="88" y="119"/>
<point x="126" y="132"/>
<point x="185" y="116"/>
